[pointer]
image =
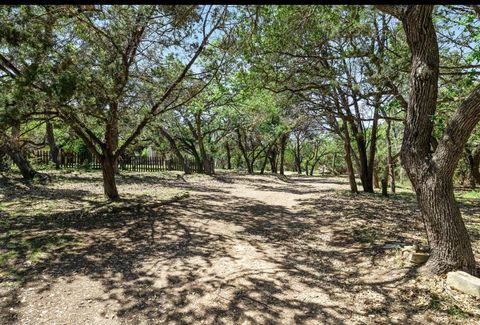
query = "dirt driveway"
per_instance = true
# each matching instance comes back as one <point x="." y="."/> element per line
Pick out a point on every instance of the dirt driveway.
<point x="239" y="250"/>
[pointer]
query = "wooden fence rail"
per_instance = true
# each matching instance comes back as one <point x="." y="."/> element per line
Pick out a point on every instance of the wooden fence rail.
<point x="125" y="162"/>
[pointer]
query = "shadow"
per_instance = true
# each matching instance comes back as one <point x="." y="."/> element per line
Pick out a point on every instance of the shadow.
<point x="218" y="257"/>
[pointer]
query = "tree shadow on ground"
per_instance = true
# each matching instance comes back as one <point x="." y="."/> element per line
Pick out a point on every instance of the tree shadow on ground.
<point x="220" y="258"/>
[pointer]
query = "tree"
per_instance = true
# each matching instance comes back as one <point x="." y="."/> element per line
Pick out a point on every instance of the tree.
<point x="431" y="169"/>
<point x="112" y="75"/>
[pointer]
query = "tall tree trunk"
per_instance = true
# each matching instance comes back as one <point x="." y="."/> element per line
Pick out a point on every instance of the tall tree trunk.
<point x="312" y="168"/>
<point x="108" y="159"/>
<point x="109" y="183"/>
<point x="297" y="154"/>
<point x="273" y="158"/>
<point x="476" y="164"/>
<point x="390" y="170"/>
<point x="334" y="160"/>
<point x="207" y="167"/>
<point x="373" y="142"/>
<point x="348" y="159"/>
<point x="376" y="179"/>
<point x="432" y="174"/>
<point x="54" y="150"/>
<point x="244" y="152"/>
<point x="366" y="174"/>
<point x="229" y="157"/>
<point x="283" y="145"/>
<point x="264" y="164"/>
<point x="469" y="159"/>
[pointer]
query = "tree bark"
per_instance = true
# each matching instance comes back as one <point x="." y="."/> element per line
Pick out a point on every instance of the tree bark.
<point x="366" y="176"/>
<point x="264" y="164"/>
<point x="206" y="162"/>
<point x="376" y="179"/>
<point x="54" y="150"/>
<point x="348" y="159"/>
<point x="244" y="152"/>
<point x="283" y="145"/>
<point x="109" y="183"/>
<point x="384" y="186"/>
<point x="334" y="159"/>
<point x="273" y="158"/>
<point x="469" y="159"/>
<point x="476" y="166"/>
<point x="432" y="174"/>
<point x="229" y="157"/>
<point x="108" y="158"/>
<point x="297" y="155"/>
<point x="15" y="152"/>
<point x="176" y="151"/>
<point x="390" y="170"/>
<point x="372" y="168"/>
<point x="18" y="158"/>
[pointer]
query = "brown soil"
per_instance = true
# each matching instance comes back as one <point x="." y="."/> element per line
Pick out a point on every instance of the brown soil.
<point x="238" y="250"/>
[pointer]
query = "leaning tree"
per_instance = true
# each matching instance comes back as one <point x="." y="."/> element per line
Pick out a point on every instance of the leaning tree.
<point x="430" y="165"/>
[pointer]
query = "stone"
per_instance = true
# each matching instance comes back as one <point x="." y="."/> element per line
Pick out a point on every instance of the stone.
<point x="412" y="248"/>
<point x="392" y="246"/>
<point x="464" y="282"/>
<point x="419" y="258"/>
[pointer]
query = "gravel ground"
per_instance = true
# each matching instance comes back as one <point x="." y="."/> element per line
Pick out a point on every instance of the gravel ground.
<point x="238" y="250"/>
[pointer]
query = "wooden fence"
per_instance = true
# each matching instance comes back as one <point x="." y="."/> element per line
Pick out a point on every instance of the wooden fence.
<point x="125" y="162"/>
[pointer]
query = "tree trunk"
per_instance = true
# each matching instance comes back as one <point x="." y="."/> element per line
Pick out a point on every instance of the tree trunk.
<point x="315" y="162"/>
<point x="364" y="169"/>
<point x="207" y="167"/>
<point x="385" y="186"/>
<point x="390" y="170"/>
<point x="447" y="235"/>
<point x="283" y="144"/>
<point x="229" y="157"/>
<point x="244" y="152"/>
<point x="108" y="172"/>
<point x="476" y="164"/>
<point x="348" y="159"/>
<point x="334" y="160"/>
<point x="273" y="158"/>
<point x="432" y="174"/>
<point x="376" y="179"/>
<point x="264" y="164"/>
<point x="372" y="168"/>
<point x="469" y="159"/>
<point x="17" y="156"/>
<point x="176" y="151"/>
<point x="54" y="150"/>
<point x="297" y="154"/>
<point x="365" y="177"/>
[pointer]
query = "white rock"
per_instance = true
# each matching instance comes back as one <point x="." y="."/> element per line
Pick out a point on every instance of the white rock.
<point x="464" y="282"/>
<point x="418" y="258"/>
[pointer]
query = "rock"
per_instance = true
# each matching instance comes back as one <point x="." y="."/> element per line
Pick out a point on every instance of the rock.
<point x="418" y="258"/>
<point x="413" y="248"/>
<point x="392" y="246"/>
<point x="464" y="282"/>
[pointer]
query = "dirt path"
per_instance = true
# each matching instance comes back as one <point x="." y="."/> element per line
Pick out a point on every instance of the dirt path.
<point x="238" y="250"/>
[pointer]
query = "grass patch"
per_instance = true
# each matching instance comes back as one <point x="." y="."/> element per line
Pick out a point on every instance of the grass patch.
<point x="16" y="253"/>
<point x="457" y="312"/>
